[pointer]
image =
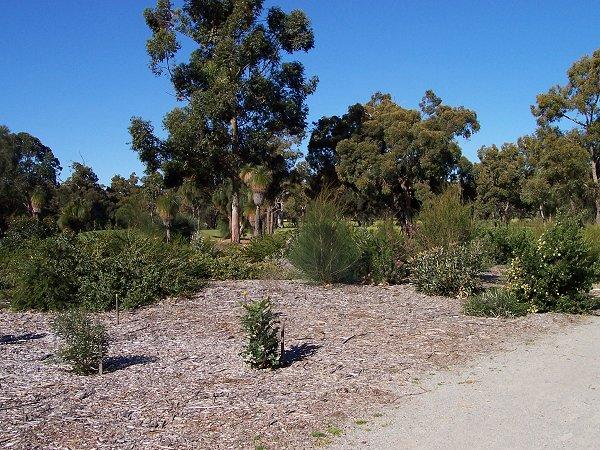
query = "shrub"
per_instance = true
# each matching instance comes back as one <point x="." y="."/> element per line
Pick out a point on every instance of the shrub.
<point x="452" y="271"/>
<point x="496" y="302"/>
<point x="85" y="340"/>
<point x="504" y="242"/>
<point x="267" y="246"/>
<point x="22" y="229"/>
<point x="325" y="249"/>
<point x="259" y="323"/>
<point x="591" y="236"/>
<point x="45" y="274"/>
<point x="231" y="263"/>
<point x="443" y="221"/>
<point x="383" y="256"/>
<point x="138" y="268"/>
<point x="557" y="273"/>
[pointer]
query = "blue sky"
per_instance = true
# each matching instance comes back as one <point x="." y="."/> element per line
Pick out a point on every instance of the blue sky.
<point x="73" y="73"/>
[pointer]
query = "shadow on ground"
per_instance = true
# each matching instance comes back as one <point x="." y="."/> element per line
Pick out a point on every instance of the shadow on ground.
<point x="16" y="339"/>
<point x="114" y="363"/>
<point x="299" y="352"/>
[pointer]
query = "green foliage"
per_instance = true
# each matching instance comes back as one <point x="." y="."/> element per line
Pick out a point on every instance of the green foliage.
<point x="452" y="271"/>
<point x="497" y="302"/>
<point x="259" y="323"/>
<point x="44" y="274"/>
<point x="591" y="236"/>
<point x="267" y="246"/>
<point x="232" y="264"/>
<point x="139" y="269"/>
<point x="60" y="272"/>
<point x="443" y="221"/>
<point x="325" y="249"/>
<point x="24" y="228"/>
<point x="85" y="340"/>
<point x="383" y="256"/>
<point x="504" y="242"/>
<point x="557" y="273"/>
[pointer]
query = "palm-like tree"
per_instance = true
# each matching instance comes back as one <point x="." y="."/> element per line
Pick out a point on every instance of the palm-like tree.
<point x="38" y="201"/>
<point x="258" y="179"/>
<point x="166" y="207"/>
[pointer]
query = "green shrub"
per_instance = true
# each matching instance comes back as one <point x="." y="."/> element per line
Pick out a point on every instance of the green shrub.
<point x="259" y="323"/>
<point x="504" y="242"/>
<point x="231" y="263"/>
<point x="383" y="255"/>
<point x="24" y="228"/>
<point x="325" y="249"/>
<point x="452" y="271"/>
<point x="267" y="246"/>
<point x="591" y="236"/>
<point x="496" y="302"/>
<point x="443" y="221"/>
<point x="557" y="273"/>
<point x="85" y="342"/>
<point x="44" y="275"/>
<point x="138" y="268"/>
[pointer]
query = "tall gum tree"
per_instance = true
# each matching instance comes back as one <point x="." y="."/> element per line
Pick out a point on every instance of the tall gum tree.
<point x="396" y="152"/>
<point x="577" y="103"/>
<point x="238" y="91"/>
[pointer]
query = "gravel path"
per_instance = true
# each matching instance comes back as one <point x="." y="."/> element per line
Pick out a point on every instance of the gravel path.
<point x="544" y="394"/>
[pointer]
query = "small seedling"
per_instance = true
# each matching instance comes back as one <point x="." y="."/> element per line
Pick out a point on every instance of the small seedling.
<point x="318" y="434"/>
<point x="360" y="422"/>
<point x="334" y="431"/>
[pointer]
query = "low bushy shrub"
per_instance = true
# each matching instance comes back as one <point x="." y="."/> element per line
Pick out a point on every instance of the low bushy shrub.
<point x="497" y="302"/>
<point x="45" y="274"/>
<point x="591" y="236"/>
<point x="557" y="273"/>
<point x="260" y="325"/>
<point x="265" y="247"/>
<point x="85" y="341"/>
<point x="24" y="228"/>
<point x="325" y="249"/>
<point x="503" y="242"/>
<point x="64" y="271"/>
<point x="444" y="220"/>
<point x="138" y="268"/>
<point x="452" y="271"/>
<point x="383" y="255"/>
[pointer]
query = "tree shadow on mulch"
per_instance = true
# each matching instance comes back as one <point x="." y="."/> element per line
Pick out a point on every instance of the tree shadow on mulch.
<point x="16" y="339"/>
<point x="299" y="352"/>
<point x="114" y="363"/>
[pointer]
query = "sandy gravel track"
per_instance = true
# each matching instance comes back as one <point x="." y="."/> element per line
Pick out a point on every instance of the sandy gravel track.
<point x="544" y="394"/>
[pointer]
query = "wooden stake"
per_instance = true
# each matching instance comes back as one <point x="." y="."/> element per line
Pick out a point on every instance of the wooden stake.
<point x="117" y="306"/>
<point x="282" y="346"/>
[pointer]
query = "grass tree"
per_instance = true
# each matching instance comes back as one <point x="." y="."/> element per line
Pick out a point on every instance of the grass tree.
<point x="167" y="207"/>
<point x="258" y="179"/>
<point x="37" y="201"/>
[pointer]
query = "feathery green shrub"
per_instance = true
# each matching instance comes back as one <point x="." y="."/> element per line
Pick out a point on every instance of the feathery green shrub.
<point x="496" y="302"/>
<point x="325" y="249"/>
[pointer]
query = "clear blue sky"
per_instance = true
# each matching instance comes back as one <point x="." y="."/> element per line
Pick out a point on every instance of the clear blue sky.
<point x="73" y="72"/>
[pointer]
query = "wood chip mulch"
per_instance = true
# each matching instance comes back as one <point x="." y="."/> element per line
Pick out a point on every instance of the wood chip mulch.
<point x="175" y="378"/>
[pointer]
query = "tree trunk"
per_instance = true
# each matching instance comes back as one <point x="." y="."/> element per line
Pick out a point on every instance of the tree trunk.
<point x="235" y="217"/>
<point x="257" y="221"/>
<point x="235" y="201"/>
<point x="168" y="234"/>
<point x="597" y="186"/>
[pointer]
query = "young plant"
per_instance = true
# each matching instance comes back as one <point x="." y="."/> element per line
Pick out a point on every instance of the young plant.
<point x="261" y="327"/>
<point x="167" y="207"/>
<point x="325" y="249"/>
<point x="497" y="302"/>
<point x="85" y="342"/>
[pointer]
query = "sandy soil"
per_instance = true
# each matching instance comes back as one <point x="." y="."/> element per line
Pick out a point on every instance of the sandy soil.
<point x="539" y="395"/>
<point x="175" y="378"/>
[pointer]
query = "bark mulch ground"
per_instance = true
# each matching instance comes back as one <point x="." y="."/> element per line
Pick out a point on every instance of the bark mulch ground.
<point x="175" y="379"/>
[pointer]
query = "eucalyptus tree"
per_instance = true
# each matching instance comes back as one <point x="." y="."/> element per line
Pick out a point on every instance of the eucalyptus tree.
<point x="395" y="153"/>
<point x="26" y="166"/>
<point x="238" y="91"/>
<point x="577" y="103"/>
